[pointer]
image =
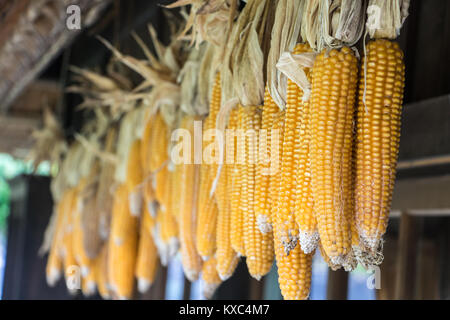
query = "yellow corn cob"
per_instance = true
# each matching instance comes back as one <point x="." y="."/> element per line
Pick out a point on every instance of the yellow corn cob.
<point x="258" y="246"/>
<point x="189" y="181"/>
<point x="161" y="177"/>
<point x="294" y="266"/>
<point x="169" y="227"/>
<point x="88" y="284"/>
<point x="227" y="258"/>
<point x="304" y="203"/>
<point x="237" y="221"/>
<point x="262" y="195"/>
<point x="101" y="269"/>
<point x="210" y="278"/>
<point x="207" y="213"/>
<point x="147" y="257"/>
<point x="378" y="133"/>
<point x="150" y="202"/>
<point x="122" y="246"/>
<point x="80" y="255"/>
<point x="104" y="199"/>
<point x="146" y="146"/>
<point x="276" y="151"/>
<point x="334" y="83"/>
<point x="177" y="190"/>
<point x="159" y="143"/>
<point x="134" y="178"/>
<point x="68" y="228"/>
<point x="332" y="266"/>
<point x="54" y="260"/>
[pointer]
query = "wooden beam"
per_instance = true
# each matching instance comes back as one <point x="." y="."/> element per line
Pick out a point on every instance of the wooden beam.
<point x="337" y="285"/>
<point x="41" y="39"/>
<point x="425" y="129"/>
<point x="407" y="257"/>
<point x="425" y="196"/>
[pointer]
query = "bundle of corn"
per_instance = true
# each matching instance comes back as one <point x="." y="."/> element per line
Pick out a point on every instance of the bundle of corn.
<point x="147" y="256"/>
<point x="283" y="169"/>
<point x="122" y="246"/>
<point x="380" y="99"/>
<point x="245" y="58"/>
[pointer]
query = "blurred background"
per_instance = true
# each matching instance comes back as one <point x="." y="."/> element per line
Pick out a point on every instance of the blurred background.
<point x="36" y="51"/>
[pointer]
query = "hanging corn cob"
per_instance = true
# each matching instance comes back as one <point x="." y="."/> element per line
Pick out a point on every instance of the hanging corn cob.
<point x="258" y="246"/>
<point x="134" y="178"/>
<point x="237" y="221"/>
<point x="334" y="83"/>
<point x="226" y="257"/>
<point x="377" y="141"/>
<point x="189" y="182"/>
<point x="294" y="266"/>
<point x="101" y="268"/>
<point x="207" y="208"/>
<point x="122" y="246"/>
<point x="263" y="169"/>
<point x="210" y="278"/>
<point x="106" y="180"/>
<point x="147" y="255"/>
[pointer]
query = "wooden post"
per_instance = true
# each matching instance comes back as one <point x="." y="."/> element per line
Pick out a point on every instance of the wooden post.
<point x="186" y="289"/>
<point x="337" y="285"/>
<point x="256" y="289"/>
<point x="407" y="257"/>
<point x="159" y="287"/>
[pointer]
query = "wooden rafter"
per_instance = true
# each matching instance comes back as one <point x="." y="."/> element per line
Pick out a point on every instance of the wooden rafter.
<point x="38" y="33"/>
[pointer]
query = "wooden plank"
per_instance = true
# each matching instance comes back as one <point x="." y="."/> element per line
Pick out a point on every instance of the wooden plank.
<point x="422" y="196"/>
<point x="337" y="286"/>
<point x="428" y="274"/>
<point x="388" y="268"/>
<point x="425" y="129"/>
<point x="407" y="257"/>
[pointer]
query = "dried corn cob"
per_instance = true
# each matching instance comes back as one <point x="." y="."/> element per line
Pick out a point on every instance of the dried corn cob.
<point x="210" y="278"/>
<point x="258" y="246"/>
<point x="101" y="269"/>
<point x="276" y="151"/>
<point x="207" y="214"/>
<point x="378" y="132"/>
<point x="189" y="180"/>
<point x="334" y="83"/>
<point x="237" y="221"/>
<point x="304" y="203"/>
<point x="294" y="266"/>
<point x="262" y="195"/>
<point x="122" y="246"/>
<point x="227" y="258"/>
<point x="134" y="178"/>
<point x="147" y="256"/>
<point x="169" y="227"/>
<point x="54" y="260"/>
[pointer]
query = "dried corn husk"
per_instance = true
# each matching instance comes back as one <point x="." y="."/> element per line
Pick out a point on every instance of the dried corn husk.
<point x="246" y="54"/>
<point x="49" y="142"/>
<point x="285" y="35"/>
<point x="385" y="18"/>
<point x="333" y="23"/>
<point x="90" y="217"/>
<point x="106" y="185"/>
